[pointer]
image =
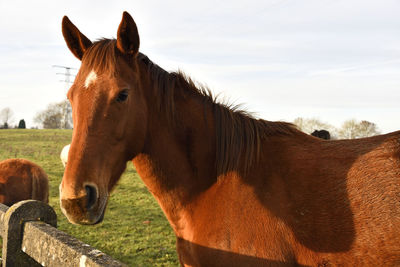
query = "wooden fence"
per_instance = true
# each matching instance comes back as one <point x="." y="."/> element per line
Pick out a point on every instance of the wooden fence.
<point x="30" y="238"/>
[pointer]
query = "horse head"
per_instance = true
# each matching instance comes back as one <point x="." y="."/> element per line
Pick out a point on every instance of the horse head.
<point x="107" y="107"/>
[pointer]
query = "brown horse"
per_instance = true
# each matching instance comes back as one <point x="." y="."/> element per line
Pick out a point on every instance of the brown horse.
<point x="237" y="191"/>
<point x="20" y="180"/>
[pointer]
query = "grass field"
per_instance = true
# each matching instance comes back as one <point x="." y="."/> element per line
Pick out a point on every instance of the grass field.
<point x="134" y="230"/>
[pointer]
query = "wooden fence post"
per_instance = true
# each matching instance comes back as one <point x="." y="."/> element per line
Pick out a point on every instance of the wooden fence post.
<point x="14" y="219"/>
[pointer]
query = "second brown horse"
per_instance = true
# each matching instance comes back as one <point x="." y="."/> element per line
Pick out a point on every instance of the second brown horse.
<point x="21" y="179"/>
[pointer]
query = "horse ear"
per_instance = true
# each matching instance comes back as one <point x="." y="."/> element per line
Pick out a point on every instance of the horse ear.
<point x="76" y="41"/>
<point x="128" y="36"/>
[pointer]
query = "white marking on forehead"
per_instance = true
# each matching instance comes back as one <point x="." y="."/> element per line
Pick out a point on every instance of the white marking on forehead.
<point x="91" y="78"/>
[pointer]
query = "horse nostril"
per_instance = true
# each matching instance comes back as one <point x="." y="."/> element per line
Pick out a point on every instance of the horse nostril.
<point x="91" y="196"/>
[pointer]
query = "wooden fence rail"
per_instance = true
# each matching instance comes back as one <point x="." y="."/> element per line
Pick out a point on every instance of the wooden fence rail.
<point x="30" y="238"/>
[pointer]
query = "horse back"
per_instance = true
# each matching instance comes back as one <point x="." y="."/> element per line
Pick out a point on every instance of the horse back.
<point x="338" y="199"/>
<point x="307" y="202"/>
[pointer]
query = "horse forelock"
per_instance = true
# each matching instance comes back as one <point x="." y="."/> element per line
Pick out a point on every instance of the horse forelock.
<point x="100" y="58"/>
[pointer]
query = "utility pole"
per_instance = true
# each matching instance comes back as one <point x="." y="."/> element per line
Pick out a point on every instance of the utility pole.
<point x="67" y="74"/>
<point x="67" y="80"/>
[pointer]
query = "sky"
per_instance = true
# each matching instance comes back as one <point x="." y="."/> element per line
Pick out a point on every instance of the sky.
<point x="332" y="60"/>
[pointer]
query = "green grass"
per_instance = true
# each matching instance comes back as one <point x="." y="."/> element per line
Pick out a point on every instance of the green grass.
<point x="134" y="230"/>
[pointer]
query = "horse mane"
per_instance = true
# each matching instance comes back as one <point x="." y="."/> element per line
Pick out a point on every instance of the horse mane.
<point x="239" y="134"/>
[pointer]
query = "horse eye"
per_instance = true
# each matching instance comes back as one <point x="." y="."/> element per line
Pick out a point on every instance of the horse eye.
<point x="122" y="96"/>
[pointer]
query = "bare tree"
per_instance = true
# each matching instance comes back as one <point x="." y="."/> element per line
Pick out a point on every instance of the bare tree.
<point x="56" y="116"/>
<point x="66" y="111"/>
<point x="6" y="117"/>
<point x="349" y="130"/>
<point x="368" y="129"/>
<point x="353" y="129"/>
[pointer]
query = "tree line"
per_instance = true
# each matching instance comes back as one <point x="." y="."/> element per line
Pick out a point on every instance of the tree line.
<point x="59" y="116"/>
<point x="55" y="116"/>
<point x="350" y="129"/>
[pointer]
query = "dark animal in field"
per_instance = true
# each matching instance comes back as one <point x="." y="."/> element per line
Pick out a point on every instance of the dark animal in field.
<point x="237" y="191"/>
<point x="323" y="134"/>
<point x="21" y="179"/>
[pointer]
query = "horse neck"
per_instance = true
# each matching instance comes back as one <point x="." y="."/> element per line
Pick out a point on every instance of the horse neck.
<point x="178" y="159"/>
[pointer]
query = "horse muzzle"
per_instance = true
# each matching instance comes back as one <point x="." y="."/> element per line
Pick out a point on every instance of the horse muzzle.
<point x="86" y="209"/>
